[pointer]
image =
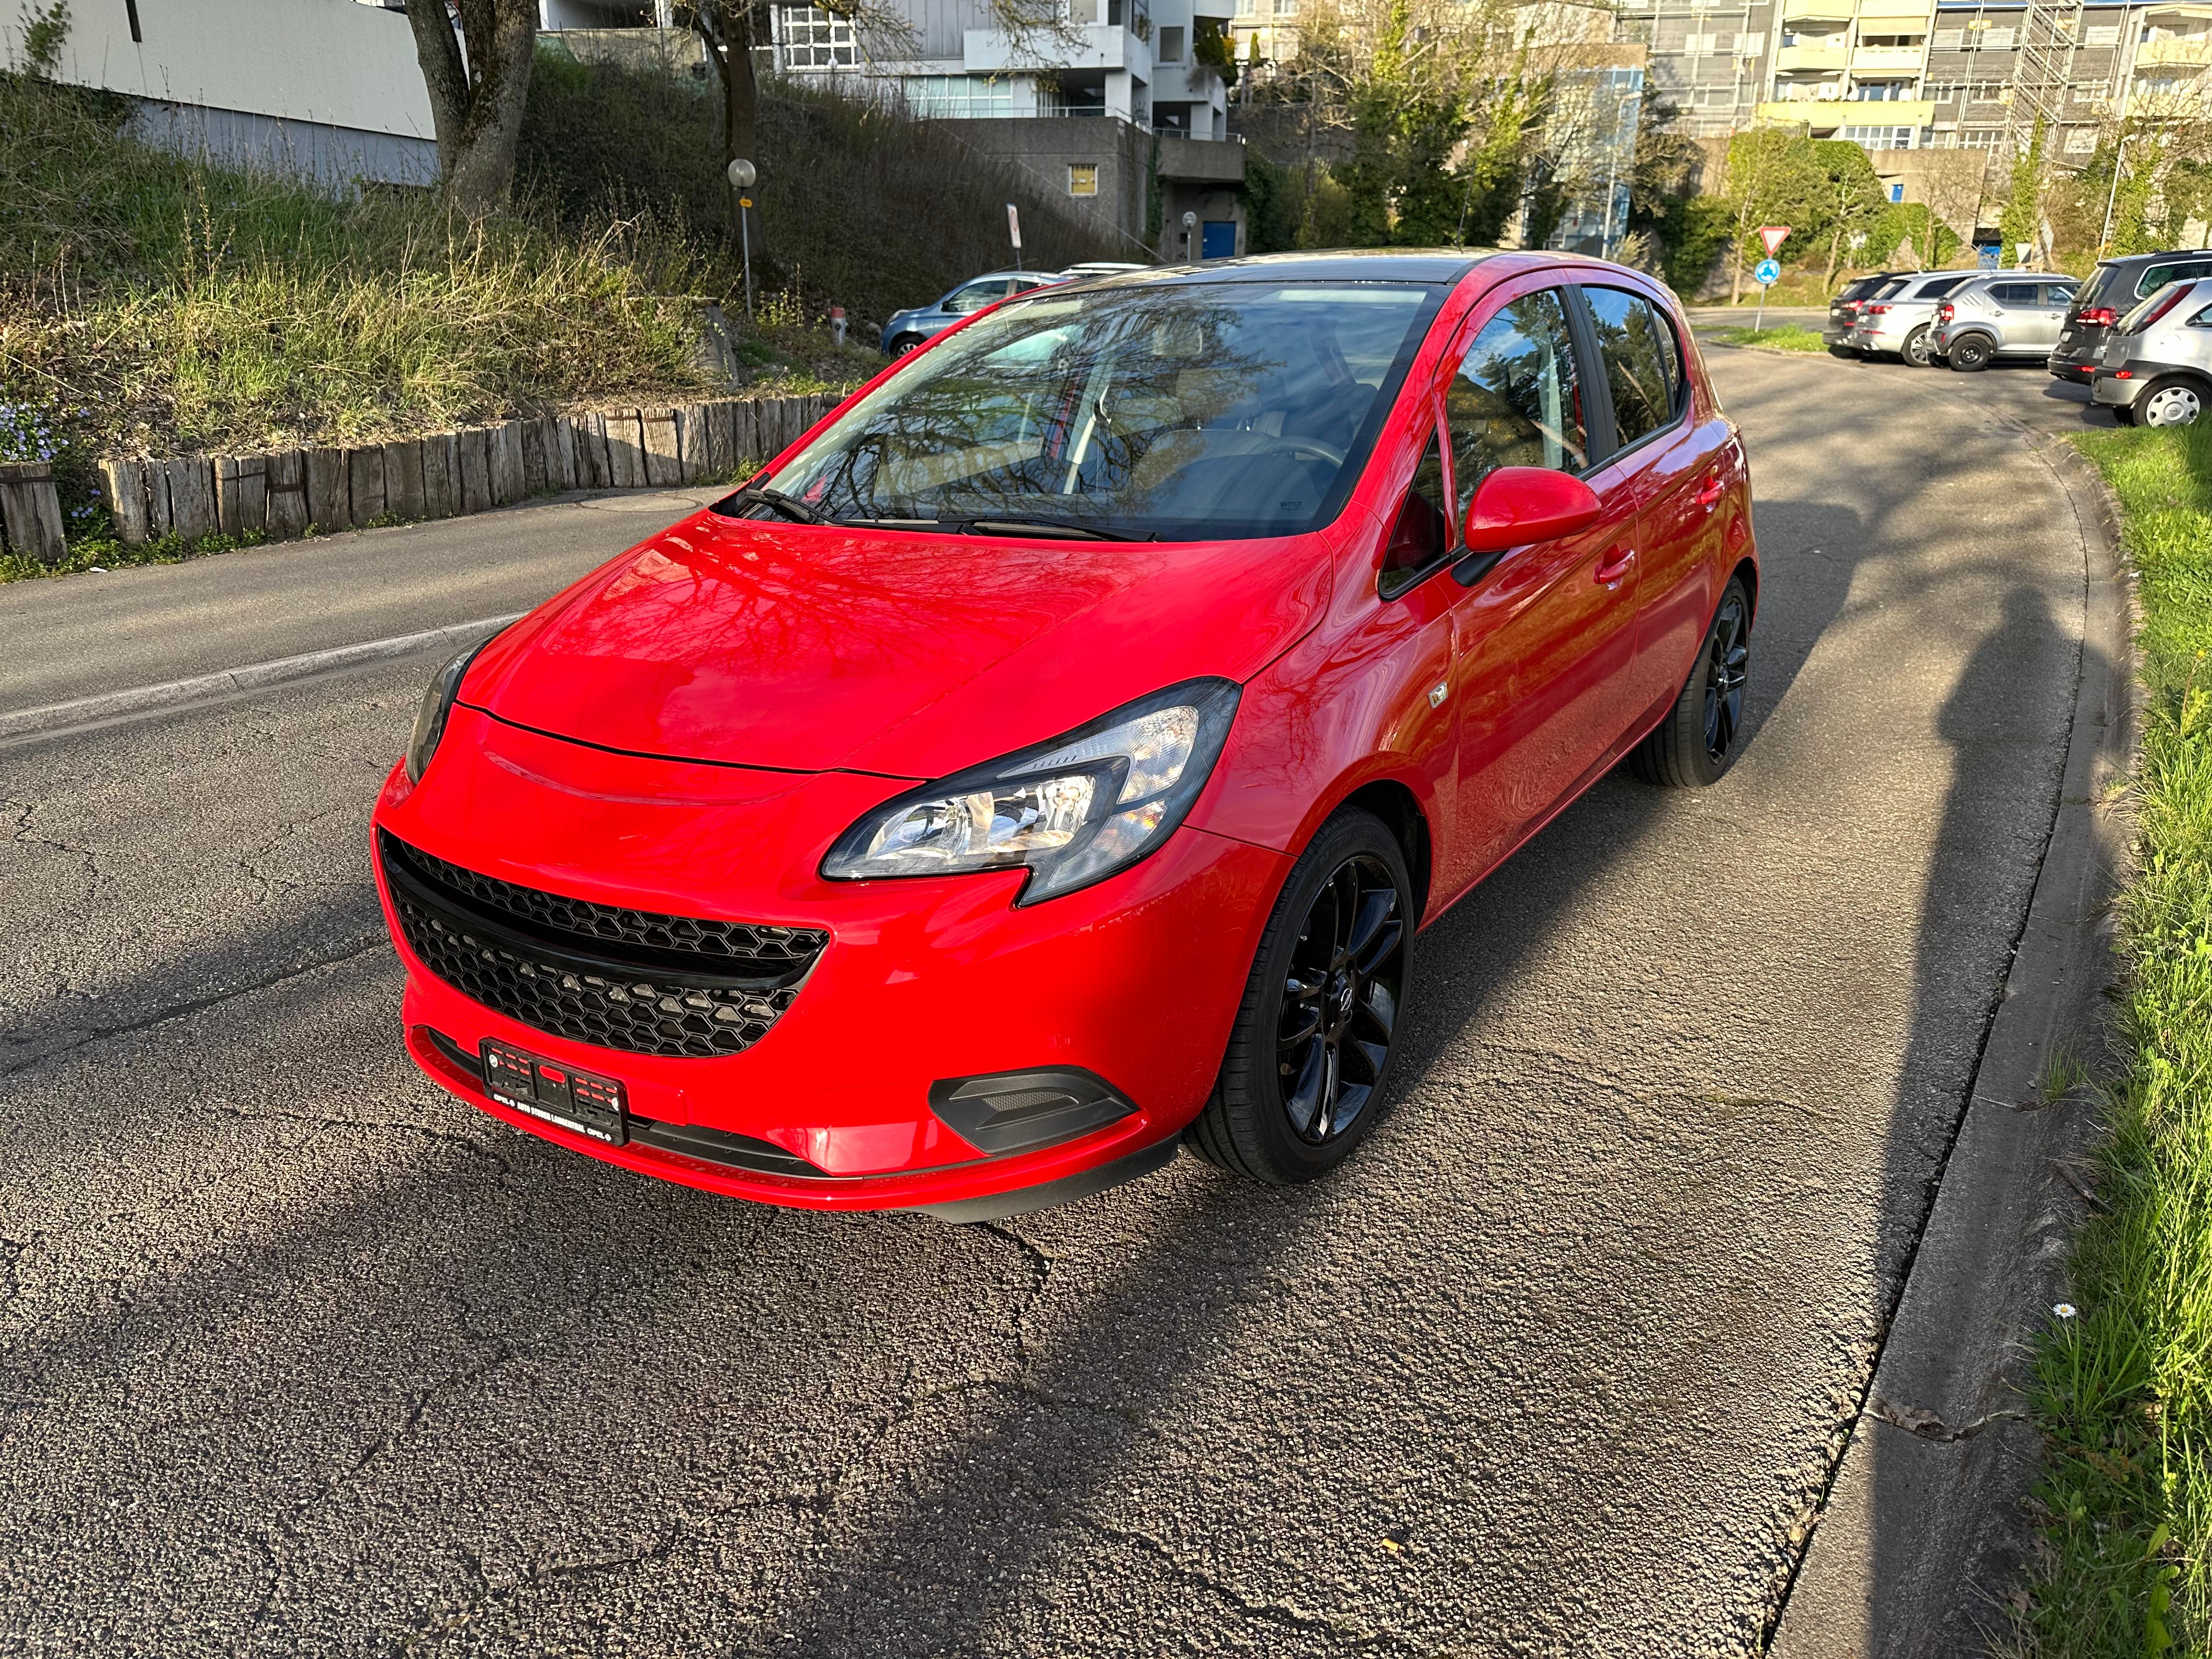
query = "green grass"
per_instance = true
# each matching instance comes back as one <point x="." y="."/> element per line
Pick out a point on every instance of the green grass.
<point x="1784" y="336"/>
<point x="2122" y="1392"/>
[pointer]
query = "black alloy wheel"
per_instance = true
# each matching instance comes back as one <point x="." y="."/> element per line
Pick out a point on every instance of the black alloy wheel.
<point x="1701" y="735"/>
<point x="1916" y="351"/>
<point x="1970" y="353"/>
<point x="1339" y="1002"/>
<point x="1315" y="1041"/>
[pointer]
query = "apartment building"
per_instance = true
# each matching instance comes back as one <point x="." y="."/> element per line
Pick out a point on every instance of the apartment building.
<point x="1927" y="73"/>
<point x="1113" y="106"/>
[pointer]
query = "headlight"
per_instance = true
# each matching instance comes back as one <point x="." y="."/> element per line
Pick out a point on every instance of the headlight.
<point x="437" y="703"/>
<point x="1074" y="811"/>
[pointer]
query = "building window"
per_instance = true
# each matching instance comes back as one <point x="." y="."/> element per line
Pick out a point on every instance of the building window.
<point x="1244" y="8"/>
<point x="813" y="38"/>
<point x="1882" y="137"/>
<point x="959" y="97"/>
<point x="1286" y="7"/>
<point x="1170" y="50"/>
<point x="2092" y="91"/>
<point x="1083" y="178"/>
<point x="1950" y="40"/>
<point x="2101" y="34"/>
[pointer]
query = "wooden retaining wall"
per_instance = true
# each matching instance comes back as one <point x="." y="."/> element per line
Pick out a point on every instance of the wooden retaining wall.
<point x="282" y="493"/>
<point x="30" y="511"/>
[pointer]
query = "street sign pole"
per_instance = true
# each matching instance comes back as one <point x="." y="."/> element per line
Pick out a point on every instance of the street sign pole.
<point x="742" y="175"/>
<point x="1014" y="230"/>
<point x="1759" y="320"/>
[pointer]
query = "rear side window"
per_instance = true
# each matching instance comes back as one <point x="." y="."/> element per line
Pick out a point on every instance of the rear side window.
<point x="2013" y="293"/>
<point x="1517" y="400"/>
<point x="1643" y="364"/>
<point x="2159" y="276"/>
<point x="2058" y="293"/>
<point x="1423" y="533"/>
<point x="1940" y="286"/>
<point x="1889" y="290"/>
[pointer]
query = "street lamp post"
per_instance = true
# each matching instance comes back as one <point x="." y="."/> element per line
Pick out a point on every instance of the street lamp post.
<point x="1189" y="230"/>
<point x="2112" y="195"/>
<point x="743" y="174"/>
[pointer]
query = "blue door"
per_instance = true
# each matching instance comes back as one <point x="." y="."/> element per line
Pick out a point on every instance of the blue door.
<point x="1217" y="240"/>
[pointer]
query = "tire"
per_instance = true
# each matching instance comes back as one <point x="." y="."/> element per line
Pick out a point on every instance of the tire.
<point x="1342" y="929"/>
<point x="1700" y="738"/>
<point x="2171" y="402"/>
<point x="1916" y="351"/>
<point x="1970" y="353"/>
<point x="906" y="343"/>
<point x="2124" y="414"/>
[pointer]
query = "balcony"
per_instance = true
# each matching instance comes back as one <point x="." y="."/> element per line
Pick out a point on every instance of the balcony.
<point x="1095" y="46"/>
<point x="1202" y="160"/>
<point x="1802" y="60"/>
<point x="2191" y="50"/>
<point x="1825" y="116"/>
<point x="1888" y="60"/>
<point x="1818" y="11"/>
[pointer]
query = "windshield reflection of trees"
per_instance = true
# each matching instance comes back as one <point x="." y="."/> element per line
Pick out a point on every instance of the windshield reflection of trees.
<point x="1144" y="413"/>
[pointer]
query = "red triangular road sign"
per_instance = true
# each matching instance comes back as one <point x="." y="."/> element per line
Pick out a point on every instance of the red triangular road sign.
<point x="1772" y="235"/>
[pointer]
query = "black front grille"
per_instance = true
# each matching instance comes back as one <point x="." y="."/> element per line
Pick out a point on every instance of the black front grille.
<point x="622" y="979"/>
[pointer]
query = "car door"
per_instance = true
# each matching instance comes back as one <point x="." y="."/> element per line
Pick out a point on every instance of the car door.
<point x="2052" y="300"/>
<point x="1678" y="470"/>
<point x="1541" y="657"/>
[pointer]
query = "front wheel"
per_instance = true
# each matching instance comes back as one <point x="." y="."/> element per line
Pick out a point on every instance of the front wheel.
<point x="1697" y="740"/>
<point x="2169" y="403"/>
<point x="905" y="343"/>
<point x="1970" y="355"/>
<point x="1315" y="1039"/>
<point x="1916" y="351"/>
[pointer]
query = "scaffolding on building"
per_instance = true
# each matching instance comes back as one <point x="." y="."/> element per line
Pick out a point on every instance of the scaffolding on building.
<point x="2043" y="69"/>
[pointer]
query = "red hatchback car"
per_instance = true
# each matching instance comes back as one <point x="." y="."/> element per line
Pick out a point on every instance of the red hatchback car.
<point x="1049" y="758"/>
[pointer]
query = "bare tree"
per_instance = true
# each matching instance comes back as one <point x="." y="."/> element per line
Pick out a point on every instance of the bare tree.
<point x="476" y="57"/>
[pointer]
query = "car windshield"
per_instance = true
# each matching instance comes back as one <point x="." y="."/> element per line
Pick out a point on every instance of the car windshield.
<point x="1190" y="411"/>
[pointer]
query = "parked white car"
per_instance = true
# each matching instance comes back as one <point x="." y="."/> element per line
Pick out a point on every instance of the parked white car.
<point x="2157" y="359"/>
<point x="1898" y="320"/>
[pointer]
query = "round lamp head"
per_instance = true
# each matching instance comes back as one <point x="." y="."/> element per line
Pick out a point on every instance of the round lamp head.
<point x="742" y="173"/>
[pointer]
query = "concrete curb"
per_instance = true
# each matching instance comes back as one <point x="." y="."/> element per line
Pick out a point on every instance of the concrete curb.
<point x="204" y="687"/>
<point x="1923" y="1528"/>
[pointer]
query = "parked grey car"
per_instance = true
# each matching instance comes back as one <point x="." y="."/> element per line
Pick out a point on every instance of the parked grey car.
<point x="2011" y="314"/>
<point x="2157" y="359"/>
<point x="2110" y="293"/>
<point x="907" y="329"/>
<point x="1897" y="321"/>
<point x="1843" y="309"/>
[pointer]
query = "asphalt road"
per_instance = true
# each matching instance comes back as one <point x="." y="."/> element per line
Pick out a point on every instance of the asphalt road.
<point x="301" y="1356"/>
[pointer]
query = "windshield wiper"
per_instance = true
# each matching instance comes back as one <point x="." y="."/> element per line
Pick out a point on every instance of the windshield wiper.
<point x="790" y="505"/>
<point x="1045" y="527"/>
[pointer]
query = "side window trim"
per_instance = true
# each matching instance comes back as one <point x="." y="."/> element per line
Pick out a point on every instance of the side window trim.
<point x="1597" y="389"/>
<point x="1585" y="327"/>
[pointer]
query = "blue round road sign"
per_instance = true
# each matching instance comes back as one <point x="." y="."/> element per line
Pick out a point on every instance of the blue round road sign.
<point x="1766" y="272"/>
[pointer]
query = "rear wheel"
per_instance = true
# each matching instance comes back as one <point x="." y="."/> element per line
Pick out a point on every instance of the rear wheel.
<point x="1970" y="353"/>
<point x="2122" y="414"/>
<point x="1316" y="1038"/>
<point x="1915" y="348"/>
<point x="1697" y="740"/>
<point x="2169" y="403"/>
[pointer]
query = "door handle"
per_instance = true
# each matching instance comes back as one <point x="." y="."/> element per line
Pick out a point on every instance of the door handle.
<point x="1710" y="496"/>
<point x="1616" y="565"/>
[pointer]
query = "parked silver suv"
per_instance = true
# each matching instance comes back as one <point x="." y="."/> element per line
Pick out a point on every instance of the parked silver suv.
<point x="1898" y="320"/>
<point x="2157" y="359"/>
<point x="2011" y="313"/>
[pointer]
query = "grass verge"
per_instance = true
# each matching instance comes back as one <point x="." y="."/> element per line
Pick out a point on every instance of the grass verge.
<point x="1784" y="336"/>
<point x="2123" y="1389"/>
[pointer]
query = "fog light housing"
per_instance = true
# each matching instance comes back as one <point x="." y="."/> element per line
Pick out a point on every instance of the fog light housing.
<point x="1019" y="1111"/>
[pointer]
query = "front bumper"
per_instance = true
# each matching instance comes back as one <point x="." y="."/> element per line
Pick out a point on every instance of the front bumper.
<point x="1135" y="981"/>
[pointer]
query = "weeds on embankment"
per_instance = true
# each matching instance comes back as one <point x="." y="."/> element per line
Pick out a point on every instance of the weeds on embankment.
<point x="1783" y="336"/>
<point x="2123" y="1387"/>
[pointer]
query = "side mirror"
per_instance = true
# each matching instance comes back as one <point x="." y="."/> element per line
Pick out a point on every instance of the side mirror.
<point x="1519" y="504"/>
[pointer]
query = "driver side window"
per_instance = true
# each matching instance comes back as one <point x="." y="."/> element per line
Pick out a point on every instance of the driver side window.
<point x="1517" y="400"/>
<point x="976" y="295"/>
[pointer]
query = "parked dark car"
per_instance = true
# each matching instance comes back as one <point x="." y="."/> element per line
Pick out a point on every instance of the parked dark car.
<point x="2157" y="359"/>
<point x="1843" y="309"/>
<point x="2111" y="292"/>
<point x="909" y="329"/>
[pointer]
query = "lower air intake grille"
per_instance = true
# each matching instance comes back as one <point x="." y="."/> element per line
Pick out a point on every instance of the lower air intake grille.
<point x="644" y="999"/>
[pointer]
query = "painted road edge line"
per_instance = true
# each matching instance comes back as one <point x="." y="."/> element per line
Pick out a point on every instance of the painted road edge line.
<point x="253" y="677"/>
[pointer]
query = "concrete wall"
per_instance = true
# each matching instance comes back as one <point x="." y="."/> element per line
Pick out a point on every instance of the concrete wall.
<point x="311" y="83"/>
<point x="1044" y="146"/>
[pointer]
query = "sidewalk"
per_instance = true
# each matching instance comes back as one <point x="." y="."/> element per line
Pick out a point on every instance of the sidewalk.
<point x="80" y="636"/>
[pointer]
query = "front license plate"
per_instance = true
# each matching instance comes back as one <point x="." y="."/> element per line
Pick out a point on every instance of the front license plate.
<point x="580" y="1102"/>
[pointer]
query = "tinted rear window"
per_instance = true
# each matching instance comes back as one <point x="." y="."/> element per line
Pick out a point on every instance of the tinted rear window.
<point x="1889" y="290"/>
<point x="2159" y="276"/>
<point x="2103" y="277"/>
<point x="2013" y="293"/>
<point x="1861" y="289"/>
<point x="1942" y="286"/>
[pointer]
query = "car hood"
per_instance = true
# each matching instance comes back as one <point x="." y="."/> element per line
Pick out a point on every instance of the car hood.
<point x="811" y="648"/>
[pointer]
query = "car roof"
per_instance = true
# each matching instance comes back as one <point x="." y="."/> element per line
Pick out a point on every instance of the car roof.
<point x="2156" y="258"/>
<point x="1339" y="265"/>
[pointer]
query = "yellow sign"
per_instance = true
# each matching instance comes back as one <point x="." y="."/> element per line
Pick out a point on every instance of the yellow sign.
<point x="744" y="200"/>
